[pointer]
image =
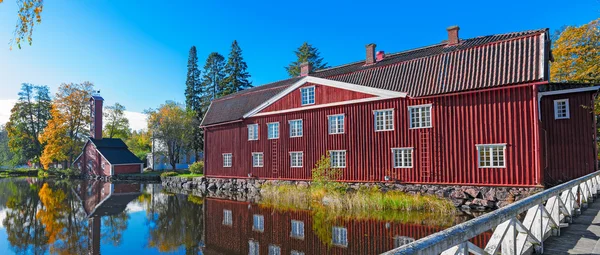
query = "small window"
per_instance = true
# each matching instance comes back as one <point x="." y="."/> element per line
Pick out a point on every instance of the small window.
<point x="296" y="158"/>
<point x="561" y="109"/>
<point x="103" y="166"/>
<point x="257" y="159"/>
<point x="252" y="132"/>
<point x="491" y="155"/>
<point x="339" y="236"/>
<point x="420" y="116"/>
<point x="253" y="248"/>
<point x="273" y="130"/>
<point x="227" y="157"/>
<point x="402" y="157"/>
<point x="297" y="229"/>
<point x="336" y="124"/>
<point x="274" y="250"/>
<point x="259" y="223"/>
<point x="384" y="120"/>
<point x="308" y="95"/>
<point x="227" y="218"/>
<point x="338" y="159"/>
<point x="295" y="128"/>
<point x="294" y="252"/>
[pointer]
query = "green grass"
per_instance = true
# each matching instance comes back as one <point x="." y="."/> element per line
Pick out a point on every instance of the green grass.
<point x="18" y="172"/>
<point x="190" y="175"/>
<point x="153" y="173"/>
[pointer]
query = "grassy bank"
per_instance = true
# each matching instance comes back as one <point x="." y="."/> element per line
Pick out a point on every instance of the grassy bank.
<point x="18" y="172"/>
<point x="358" y="201"/>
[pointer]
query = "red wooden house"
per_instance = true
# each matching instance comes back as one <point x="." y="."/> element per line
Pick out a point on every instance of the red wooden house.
<point x="465" y="111"/>
<point x="105" y="156"/>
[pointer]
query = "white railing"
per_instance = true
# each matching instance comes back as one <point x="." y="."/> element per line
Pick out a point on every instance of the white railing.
<point x="547" y="212"/>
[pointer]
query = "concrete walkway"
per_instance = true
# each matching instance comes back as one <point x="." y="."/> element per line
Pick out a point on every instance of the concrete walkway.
<point x="580" y="237"/>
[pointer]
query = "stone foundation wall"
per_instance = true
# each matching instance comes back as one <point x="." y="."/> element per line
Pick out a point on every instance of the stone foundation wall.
<point x="464" y="197"/>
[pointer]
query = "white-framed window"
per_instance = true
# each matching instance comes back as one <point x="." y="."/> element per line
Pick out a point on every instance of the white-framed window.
<point x="297" y="229"/>
<point x="336" y="124"/>
<point x="561" y="109"/>
<point x="384" y="119"/>
<point x="295" y="128"/>
<point x="420" y="116"/>
<point x="296" y="158"/>
<point x="103" y="165"/>
<point x="257" y="159"/>
<point x="338" y="158"/>
<point x="258" y="223"/>
<point x="491" y="155"/>
<point x="274" y="250"/>
<point x="307" y="95"/>
<point x="253" y="247"/>
<point x="273" y="130"/>
<point x="227" y="218"/>
<point x="227" y="159"/>
<point x="402" y="157"/>
<point x="339" y="236"/>
<point x="402" y="240"/>
<point x="252" y="132"/>
<point x="295" y="252"/>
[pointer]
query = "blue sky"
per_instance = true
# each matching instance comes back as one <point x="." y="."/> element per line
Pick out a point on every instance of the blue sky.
<point x="136" y="52"/>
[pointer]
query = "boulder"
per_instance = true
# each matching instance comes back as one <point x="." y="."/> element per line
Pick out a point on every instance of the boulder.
<point x="472" y="192"/>
<point x="483" y="203"/>
<point x="490" y="195"/>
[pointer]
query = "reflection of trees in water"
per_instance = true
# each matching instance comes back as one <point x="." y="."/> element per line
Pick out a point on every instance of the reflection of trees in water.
<point x="113" y="228"/>
<point x="177" y="223"/>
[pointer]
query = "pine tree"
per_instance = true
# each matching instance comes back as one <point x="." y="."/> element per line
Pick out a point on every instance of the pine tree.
<point x="193" y="101"/>
<point x="213" y="79"/>
<point x="237" y="76"/>
<point x="306" y="53"/>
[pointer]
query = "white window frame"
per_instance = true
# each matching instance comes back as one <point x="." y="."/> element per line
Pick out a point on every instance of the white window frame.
<point x="292" y="134"/>
<point x="227" y="218"/>
<point x="335" y="128"/>
<point x="339" y="236"/>
<point x="225" y="159"/>
<point x="253" y="247"/>
<point x="251" y="135"/>
<point x="307" y="89"/>
<point x="261" y="160"/>
<point x="567" y="110"/>
<point x="258" y="222"/>
<point x="295" y="252"/>
<point x="274" y="249"/>
<point x="419" y="109"/>
<point x="385" y="128"/>
<point x="490" y="147"/>
<point x="401" y="164"/>
<point x="333" y="159"/>
<point x="297" y="230"/>
<point x="271" y="131"/>
<point x="296" y="153"/>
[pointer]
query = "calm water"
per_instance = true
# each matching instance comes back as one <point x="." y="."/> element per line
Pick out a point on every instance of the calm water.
<point x="92" y="217"/>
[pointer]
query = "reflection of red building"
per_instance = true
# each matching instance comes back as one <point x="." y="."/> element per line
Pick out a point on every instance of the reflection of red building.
<point x="242" y="228"/>
<point x="103" y="199"/>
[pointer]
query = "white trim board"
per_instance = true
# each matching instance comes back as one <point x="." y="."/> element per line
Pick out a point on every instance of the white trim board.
<point x="381" y="93"/>
<point x="315" y="106"/>
<point x="569" y="91"/>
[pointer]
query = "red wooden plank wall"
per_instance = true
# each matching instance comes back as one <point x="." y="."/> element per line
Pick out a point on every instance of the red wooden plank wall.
<point x="459" y="123"/>
<point x="364" y="236"/>
<point x="570" y="151"/>
<point x="323" y="95"/>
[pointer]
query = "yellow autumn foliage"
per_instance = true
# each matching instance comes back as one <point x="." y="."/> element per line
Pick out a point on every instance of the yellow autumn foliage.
<point x="576" y="54"/>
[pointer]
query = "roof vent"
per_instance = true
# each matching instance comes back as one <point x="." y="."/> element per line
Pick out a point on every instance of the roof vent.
<point x="370" y="54"/>
<point x="453" y="35"/>
<point x="380" y="55"/>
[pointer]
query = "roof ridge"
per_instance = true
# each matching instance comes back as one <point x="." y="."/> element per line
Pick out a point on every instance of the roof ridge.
<point x="256" y="89"/>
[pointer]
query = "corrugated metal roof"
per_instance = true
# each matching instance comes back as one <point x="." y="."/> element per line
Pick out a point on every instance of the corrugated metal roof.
<point x="476" y="63"/>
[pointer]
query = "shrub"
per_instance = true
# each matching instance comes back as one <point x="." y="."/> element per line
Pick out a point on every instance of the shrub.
<point x="197" y="167"/>
<point x="324" y="176"/>
<point x="169" y="174"/>
<point x="42" y="173"/>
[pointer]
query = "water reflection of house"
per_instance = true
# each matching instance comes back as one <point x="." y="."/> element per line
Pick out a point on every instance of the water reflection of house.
<point x="103" y="199"/>
<point x="242" y="228"/>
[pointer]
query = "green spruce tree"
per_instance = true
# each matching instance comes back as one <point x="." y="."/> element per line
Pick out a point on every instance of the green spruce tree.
<point x="306" y="53"/>
<point x="193" y="101"/>
<point x="235" y="70"/>
<point x="213" y="79"/>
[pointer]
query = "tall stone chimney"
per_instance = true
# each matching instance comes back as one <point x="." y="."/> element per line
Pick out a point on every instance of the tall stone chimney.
<point x="453" y="35"/>
<point x="96" y="116"/>
<point x="305" y="69"/>
<point x="370" y="59"/>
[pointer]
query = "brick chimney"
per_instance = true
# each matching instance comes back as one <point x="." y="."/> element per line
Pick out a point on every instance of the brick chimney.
<point x="380" y="55"/>
<point x="453" y="35"/>
<point x="96" y="116"/>
<point x="305" y="69"/>
<point x="370" y="54"/>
